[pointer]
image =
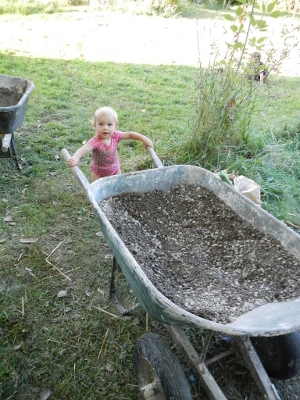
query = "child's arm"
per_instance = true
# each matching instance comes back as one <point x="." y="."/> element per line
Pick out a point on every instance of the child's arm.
<point x="74" y="160"/>
<point x="138" y="136"/>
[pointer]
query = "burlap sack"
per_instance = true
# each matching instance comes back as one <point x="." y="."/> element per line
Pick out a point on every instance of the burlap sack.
<point x="248" y="188"/>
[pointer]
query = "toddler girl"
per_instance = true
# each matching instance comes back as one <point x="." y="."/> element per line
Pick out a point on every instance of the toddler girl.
<point x="260" y="73"/>
<point x="105" y="160"/>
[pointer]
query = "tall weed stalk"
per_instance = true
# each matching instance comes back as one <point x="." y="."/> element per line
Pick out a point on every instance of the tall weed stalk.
<point x="226" y="91"/>
<point x="223" y="114"/>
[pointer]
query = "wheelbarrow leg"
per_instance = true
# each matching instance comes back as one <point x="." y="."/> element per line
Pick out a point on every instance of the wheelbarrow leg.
<point x="112" y="287"/>
<point x="113" y="290"/>
<point x="13" y="153"/>
<point x="197" y="364"/>
<point x="259" y="374"/>
<point x="8" y="149"/>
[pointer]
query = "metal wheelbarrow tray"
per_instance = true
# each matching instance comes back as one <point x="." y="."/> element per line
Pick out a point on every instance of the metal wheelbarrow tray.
<point x="14" y="96"/>
<point x="272" y="319"/>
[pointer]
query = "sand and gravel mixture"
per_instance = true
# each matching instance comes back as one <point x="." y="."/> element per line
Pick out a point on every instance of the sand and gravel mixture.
<point x="200" y="254"/>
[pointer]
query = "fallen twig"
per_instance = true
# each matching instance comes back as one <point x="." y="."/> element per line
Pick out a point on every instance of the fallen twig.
<point x="106" y="312"/>
<point x="29" y="270"/>
<point x="100" y="351"/>
<point x="55" y="249"/>
<point x="23" y="307"/>
<point x="54" y="266"/>
<point x="291" y="224"/>
<point x="57" y="269"/>
<point x="52" y="276"/>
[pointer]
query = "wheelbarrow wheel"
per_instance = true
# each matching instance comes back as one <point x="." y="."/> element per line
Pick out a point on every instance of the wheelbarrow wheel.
<point x="280" y="355"/>
<point x="158" y="371"/>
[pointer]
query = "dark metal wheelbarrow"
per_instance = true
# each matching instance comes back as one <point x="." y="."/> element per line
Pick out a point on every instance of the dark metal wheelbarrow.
<point x="14" y="96"/>
<point x="158" y="372"/>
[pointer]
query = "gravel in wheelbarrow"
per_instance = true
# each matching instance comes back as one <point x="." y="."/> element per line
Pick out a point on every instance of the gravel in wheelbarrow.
<point x="200" y="254"/>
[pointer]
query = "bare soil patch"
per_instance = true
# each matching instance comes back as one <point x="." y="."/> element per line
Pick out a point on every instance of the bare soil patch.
<point x="122" y="38"/>
<point x="200" y="254"/>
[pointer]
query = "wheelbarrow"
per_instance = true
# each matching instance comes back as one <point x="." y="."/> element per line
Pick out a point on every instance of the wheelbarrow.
<point x="14" y="96"/>
<point x="255" y="333"/>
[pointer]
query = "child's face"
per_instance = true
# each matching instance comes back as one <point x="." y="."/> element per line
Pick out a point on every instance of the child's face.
<point x="105" y="126"/>
<point x="256" y="58"/>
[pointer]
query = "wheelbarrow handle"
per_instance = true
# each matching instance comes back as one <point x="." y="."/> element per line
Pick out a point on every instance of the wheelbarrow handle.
<point x="82" y="179"/>
<point x="155" y="159"/>
<point x="65" y="154"/>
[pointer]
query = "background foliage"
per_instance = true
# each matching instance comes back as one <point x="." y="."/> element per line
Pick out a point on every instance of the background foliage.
<point x="166" y="8"/>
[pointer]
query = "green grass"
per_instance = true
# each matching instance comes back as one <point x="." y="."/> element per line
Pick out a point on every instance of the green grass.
<point x="56" y="343"/>
<point x="61" y="338"/>
<point x="272" y="150"/>
<point x="162" y="7"/>
<point x="175" y="8"/>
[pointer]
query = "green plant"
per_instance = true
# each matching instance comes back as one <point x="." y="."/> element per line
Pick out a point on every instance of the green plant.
<point x="165" y="8"/>
<point x="224" y="109"/>
<point x="227" y="94"/>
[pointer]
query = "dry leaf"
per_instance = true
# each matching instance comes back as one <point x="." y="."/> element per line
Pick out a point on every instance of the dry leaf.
<point x="99" y="233"/>
<point x="28" y="240"/>
<point x="109" y="367"/>
<point x="18" y="346"/>
<point x="62" y="293"/>
<point x="45" y="394"/>
<point x="8" y="218"/>
<point x="53" y="173"/>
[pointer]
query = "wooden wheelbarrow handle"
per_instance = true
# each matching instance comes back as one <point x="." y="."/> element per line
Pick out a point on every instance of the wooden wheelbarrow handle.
<point x="6" y="141"/>
<point x="82" y="179"/>
<point x="155" y="159"/>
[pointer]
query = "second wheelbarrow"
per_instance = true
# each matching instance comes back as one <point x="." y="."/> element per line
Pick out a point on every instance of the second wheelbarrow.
<point x="14" y="96"/>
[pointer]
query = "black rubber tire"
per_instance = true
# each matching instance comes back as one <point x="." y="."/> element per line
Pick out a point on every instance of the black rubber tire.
<point x="154" y="359"/>
<point x="280" y="355"/>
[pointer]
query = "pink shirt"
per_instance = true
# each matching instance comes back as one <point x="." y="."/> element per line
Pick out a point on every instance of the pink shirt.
<point x="105" y="160"/>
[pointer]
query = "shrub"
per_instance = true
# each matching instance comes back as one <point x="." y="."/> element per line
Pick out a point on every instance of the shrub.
<point x="225" y="96"/>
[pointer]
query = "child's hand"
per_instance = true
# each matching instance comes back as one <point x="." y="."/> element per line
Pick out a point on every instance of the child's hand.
<point x="73" y="161"/>
<point x="148" y="143"/>
<point x="137" y="136"/>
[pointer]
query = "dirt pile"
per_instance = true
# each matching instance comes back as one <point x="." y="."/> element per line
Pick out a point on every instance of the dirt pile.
<point x="200" y="254"/>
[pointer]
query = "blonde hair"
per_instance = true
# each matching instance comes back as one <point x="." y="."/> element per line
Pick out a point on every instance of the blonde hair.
<point x="104" y="111"/>
<point x="256" y="55"/>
